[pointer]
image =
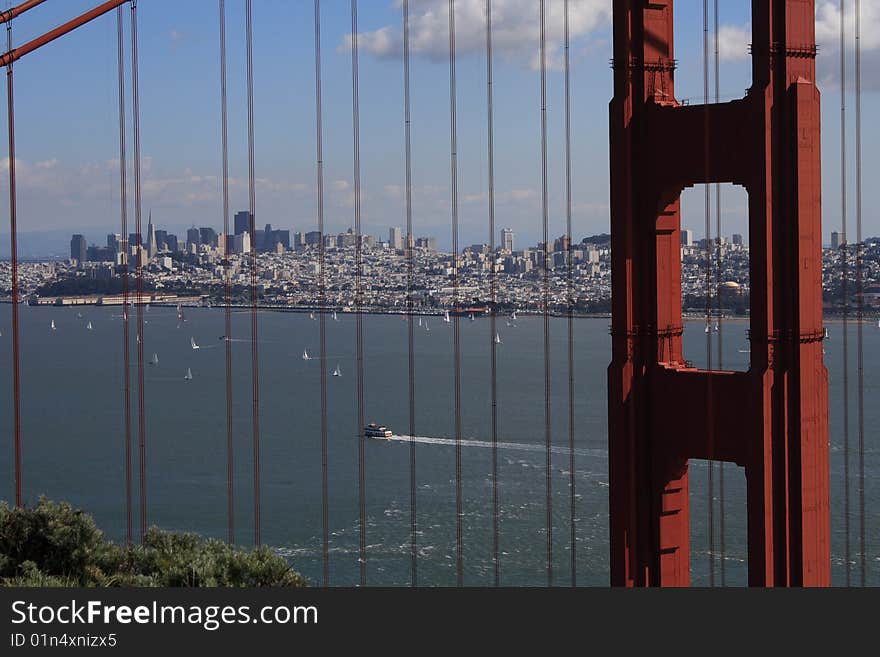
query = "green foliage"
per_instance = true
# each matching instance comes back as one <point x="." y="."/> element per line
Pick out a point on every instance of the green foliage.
<point x="53" y="544"/>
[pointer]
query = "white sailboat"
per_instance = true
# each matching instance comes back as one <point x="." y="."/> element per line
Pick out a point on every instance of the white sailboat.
<point x="335" y="318"/>
<point x="138" y="338"/>
<point x="189" y="375"/>
<point x="79" y="315"/>
<point x="155" y="360"/>
<point x="446" y="316"/>
<point x="337" y="371"/>
<point x="513" y="315"/>
<point x="312" y="314"/>
<point x="52" y="325"/>
<point x="497" y="338"/>
<point x="88" y="326"/>
<point x="471" y="316"/>
<point x="427" y="328"/>
<point x="306" y="355"/>
<point x="878" y="323"/>
<point x="420" y="321"/>
<point x="192" y="342"/>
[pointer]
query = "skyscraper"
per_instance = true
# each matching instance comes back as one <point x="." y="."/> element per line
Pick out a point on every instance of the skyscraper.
<point x="193" y="236"/>
<point x="208" y="236"/>
<point x="507" y="240"/>
<point x="395" y="238"/>
<point x="78" y="249"/>
<point x="242" y="222"/>
<point x="687" y="237"/>
<point x="837" y="240"/>
<point x="152" y="247"/>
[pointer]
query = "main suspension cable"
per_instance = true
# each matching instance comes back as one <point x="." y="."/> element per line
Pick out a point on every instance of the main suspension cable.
<point x="123" y="211"/>
<point x="322" y="297"/>
<point x="227" y="280"/>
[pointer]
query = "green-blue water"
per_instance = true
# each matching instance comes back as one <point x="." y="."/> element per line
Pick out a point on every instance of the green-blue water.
<point x="73" y="441"/>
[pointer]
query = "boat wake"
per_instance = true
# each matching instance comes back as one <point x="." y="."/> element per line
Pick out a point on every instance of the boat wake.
<point x="485" y="444"/>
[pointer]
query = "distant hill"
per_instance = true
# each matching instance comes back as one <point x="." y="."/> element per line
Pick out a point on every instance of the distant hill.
<point x="603" y="239"/>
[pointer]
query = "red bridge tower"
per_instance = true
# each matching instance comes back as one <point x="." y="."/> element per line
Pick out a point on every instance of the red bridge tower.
<point x="772" y="419"/>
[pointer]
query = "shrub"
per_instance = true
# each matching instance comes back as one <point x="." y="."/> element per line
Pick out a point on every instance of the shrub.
<point x="53" y="544"/>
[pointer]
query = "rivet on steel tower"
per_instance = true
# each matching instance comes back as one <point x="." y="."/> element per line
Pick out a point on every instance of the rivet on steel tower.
<point x="773" y="419"/>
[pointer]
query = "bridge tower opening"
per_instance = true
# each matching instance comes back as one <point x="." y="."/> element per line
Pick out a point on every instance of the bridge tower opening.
<point x="772" y="419"/>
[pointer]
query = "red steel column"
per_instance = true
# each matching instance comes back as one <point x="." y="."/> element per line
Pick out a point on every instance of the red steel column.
<point x="773" y="420"/>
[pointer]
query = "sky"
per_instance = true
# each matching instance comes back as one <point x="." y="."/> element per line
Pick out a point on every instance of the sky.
<point x="67" y="149"/>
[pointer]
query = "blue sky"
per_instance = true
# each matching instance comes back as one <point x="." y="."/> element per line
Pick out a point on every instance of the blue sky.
<point x="67" y="131"/>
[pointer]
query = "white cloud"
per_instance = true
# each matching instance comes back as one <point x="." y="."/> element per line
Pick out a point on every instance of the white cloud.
<point x="733" y="42"/>
<point x="515" y="29"/>
<point x="828" y="39"/>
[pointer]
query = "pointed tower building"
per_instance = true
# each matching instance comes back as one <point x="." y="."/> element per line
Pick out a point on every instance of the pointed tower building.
<point x="152" y="248"/>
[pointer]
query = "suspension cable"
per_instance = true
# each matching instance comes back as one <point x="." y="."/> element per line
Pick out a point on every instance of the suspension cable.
<point x="844" y="254"/>
<point x="252" y="194"/>
<point x="859" y="293"/>
<point x="410" y="271"/>
<point x="548" y="465"/>
<point x="123" y="211"/>
<point x="493" y="291"/>
<point x="227" y="280"/>
<point x="322" y="296"/>
<point x="139" y="271"/>
<point x="453" y="138"/>
<point x="570" y="283"/>
<point x="358" y="299"/>
<point x="13" y="252"/>
<point x="720" y="342"/>
<point x="709" y="327"/>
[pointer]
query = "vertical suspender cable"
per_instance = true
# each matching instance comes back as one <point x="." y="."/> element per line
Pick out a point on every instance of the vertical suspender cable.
<point x="844" y="255"/>
<point x="358" y="298"/>
<point x="252" y="194"/>
<point x="859" y="294"/>
<point x="139" y="271"/>
<point x="493" y="291"/>
<point x="123" y="210"/>
<point x="570" y="273"/>
<point x="709" y="328"/>
<point x="410" y="271"/>
<point x="720" y="343"/>
<point x="453" y="137"/>
<point x="322" y="296"/>
<point x="227" y="280"/>
<point x="546" y="300"/>
<point x="13" y="253"/>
